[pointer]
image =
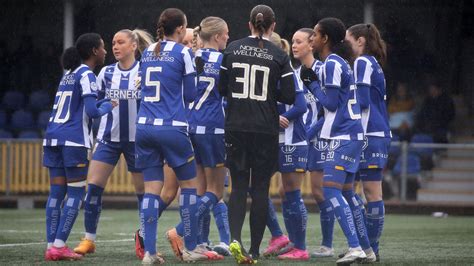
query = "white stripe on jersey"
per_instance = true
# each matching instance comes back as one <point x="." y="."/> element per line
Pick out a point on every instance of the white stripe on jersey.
<point x="188" y="62"/>
<point x="85" y="130"/>
<point x="132" y="112"/>
<point x="213" y="57"/>
<point x="115" y="130"/>
<point x="367" y="71"/>
<point x="336" y="75"/>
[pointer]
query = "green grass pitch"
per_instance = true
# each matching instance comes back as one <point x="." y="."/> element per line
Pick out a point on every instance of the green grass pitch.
<point x="409" y="240"/>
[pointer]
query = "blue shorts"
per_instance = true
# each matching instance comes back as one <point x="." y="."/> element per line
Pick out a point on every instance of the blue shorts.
<point x="153" y="144"/>
<point x="344" y="155"/>
<point x="375" y="153"/>
<point x="317" y="155"/>
<point x="65" y="156"/>
<point x="209" y="149"/>
<point x="109" y="153"/>
<point x="72" y="161"/>
<point x="292" y="158"/>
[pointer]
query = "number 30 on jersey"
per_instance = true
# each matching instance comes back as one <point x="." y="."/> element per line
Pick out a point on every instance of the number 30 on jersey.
<point x="249" y="82"/>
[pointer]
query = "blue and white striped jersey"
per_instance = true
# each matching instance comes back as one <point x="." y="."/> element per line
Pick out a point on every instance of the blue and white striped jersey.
<point x="311" y="116"/>
<point x="295" y="133"/>
<point x="120" y="85"/>
<point x="69" y="124"/>
<point x="207" y="112"/>
<point x="368" y="72"/>
<point x="345" y="122"/>
<point x="162" y="88"/>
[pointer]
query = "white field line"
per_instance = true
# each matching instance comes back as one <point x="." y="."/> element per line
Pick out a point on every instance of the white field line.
<point x="10" y="231"/>
<point x="44" y="243"/>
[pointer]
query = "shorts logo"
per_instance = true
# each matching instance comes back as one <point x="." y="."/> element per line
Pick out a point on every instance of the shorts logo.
<point x="366" y="143"/>
<point x="334" y="144"/>
<point x="321" y="145"/>
<point x="287" y="149"/>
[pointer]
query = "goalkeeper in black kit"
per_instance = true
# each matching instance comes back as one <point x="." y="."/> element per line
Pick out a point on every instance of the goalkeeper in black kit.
<point x="255" y="74"/>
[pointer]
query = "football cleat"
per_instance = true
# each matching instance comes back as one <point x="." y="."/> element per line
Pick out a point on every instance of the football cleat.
<point x="85" y="246"/>
<point x="275" y="244"/>
<point x="352" y="255"/>
<point x="323" y="252"/>
<point x="222" y="248"/>
<point x="240" y="254"/>
<point x="295" y="254"/>
<point x="151" y="260"/>
<point x="53" y="254"/>
<point x="176" y="243"/>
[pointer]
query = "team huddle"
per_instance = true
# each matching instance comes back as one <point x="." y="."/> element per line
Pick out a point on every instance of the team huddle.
<point x="187" y="109"/>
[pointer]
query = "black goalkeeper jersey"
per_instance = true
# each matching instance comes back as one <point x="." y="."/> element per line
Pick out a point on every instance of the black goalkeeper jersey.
<point x="253" y="80"/>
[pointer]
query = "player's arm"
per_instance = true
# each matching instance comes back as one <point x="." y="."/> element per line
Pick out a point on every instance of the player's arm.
<point x="299" y="107"/>
<point x="286" y="93"/>
<point x="329" y="98"/>
<point x="362" y="73"/>
<point x="189" y="78"/>
<point x="94" y="108"/>
<point x="315" y="128"/>
<point x="223" y="77"/>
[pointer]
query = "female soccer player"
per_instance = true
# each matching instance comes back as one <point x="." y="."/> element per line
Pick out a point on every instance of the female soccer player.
<point x="206" y="121"/>
<point x="168" y="80"/>
<point x="68" y="138"/>
<point x="252" y="69"/>
<point x="303" y="51"/>
<point x="116" y="135"/>
<point x="293" y="152"/>
<point x="370" y="50"/>
<point x="292" y="162"/>
<point x="342" y="126"/>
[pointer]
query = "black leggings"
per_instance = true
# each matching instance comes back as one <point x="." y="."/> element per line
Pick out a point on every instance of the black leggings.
<point x="252" y="160"/>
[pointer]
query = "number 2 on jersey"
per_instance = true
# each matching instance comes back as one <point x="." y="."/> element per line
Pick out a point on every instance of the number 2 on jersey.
<point x="59" y="106"/>
<point x="249" y="82"/>
<point x="351" y="102"/>
<point x="152" y="83"/>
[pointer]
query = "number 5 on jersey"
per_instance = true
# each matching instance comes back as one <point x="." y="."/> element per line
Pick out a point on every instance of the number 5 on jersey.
<point x="152" y="84"/>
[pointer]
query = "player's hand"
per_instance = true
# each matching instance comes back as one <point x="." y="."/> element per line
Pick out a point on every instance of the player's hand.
<point x="114" y="103"/>
<point x="199" y="65"/>
<point x="284" y="122"/>
<point x="308" y="76"/>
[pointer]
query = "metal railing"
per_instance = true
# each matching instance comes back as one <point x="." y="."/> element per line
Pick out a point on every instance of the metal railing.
<point x="22" y="171"/>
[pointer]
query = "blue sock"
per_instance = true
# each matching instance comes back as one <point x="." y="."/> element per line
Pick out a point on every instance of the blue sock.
<point x="362" y="207"/>
<point x="299" y="217"/>
<point x="358" y="218"/>
<point x="140" y="202"/>
<point x="163" y="207"/>
<point x="222" y="221"/>
<point x="92" y="208"/>
<point x="206" y="202"/>
<point x="180" y="229"/>
<point x="326" y="219"/>
<point x="343" y="214"/>
<point x="272" y="220"/>
<point x="375" y="221"/>
<point x="206" y="227"/>
<point x="287" y="219"/>
<point x="188" y="208"/>
<point x="149" y="219"/>
<point x="70" y="211"/>
<point x="53" y="210"/>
